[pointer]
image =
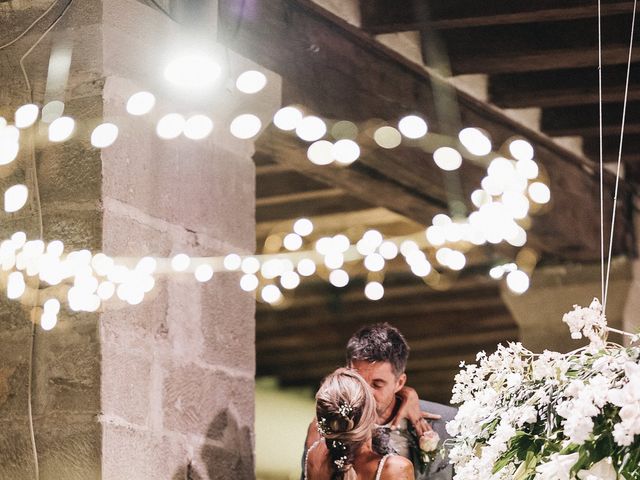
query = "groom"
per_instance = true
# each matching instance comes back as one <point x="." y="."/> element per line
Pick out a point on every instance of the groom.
<point x="379" y="353"/>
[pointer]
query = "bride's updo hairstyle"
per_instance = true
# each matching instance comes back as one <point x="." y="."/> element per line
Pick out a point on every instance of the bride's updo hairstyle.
<point x="346" y="413"/>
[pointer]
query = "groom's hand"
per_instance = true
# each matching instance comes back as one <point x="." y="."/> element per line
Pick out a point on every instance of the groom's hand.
<point x="410" y="409"/>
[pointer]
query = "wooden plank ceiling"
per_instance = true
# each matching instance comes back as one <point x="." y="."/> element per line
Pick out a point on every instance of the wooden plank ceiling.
<point x="537" y="54"/>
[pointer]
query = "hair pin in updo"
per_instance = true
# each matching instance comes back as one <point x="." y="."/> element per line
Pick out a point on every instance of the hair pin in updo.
<point x="345" y="410"/>
<point x="323" y="428"/>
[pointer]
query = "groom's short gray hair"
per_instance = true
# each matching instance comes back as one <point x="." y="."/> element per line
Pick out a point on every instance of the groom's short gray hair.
<point x="379" y="343"/>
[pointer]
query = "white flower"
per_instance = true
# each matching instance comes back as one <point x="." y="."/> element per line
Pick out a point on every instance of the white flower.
<point x="557" y="468"/>
<point x="603" y="470"/>
<point x="589" y="322"/>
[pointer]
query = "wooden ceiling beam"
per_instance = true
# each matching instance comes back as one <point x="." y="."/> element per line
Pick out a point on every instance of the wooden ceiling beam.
<point x="610" y="147"/>
<point x="326" y="313"/>
<point x="384" y="16"/>
<point x="538" y="46"/>
<point x="582" y="120"/>
<point x="284" y="181"/>
<point x="424" y="346"/>
<point x="414" y="367"/>
<point x="563" y="87"/>
<point x="412" y="326"/>
<point x="320" y="202"/>
<point x="376" y="217"/>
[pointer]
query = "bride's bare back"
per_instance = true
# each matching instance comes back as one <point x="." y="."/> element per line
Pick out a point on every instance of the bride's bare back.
<point x="367" y="465"/>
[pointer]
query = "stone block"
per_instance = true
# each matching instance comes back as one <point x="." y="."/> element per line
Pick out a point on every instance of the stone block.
<point x="125" y="384"/>
<point x="69" y="447"/>
<point x="67" y="368"/>
<point x="127" y="236"/>
<point x="136" y="328"/>
<point x="194" y="396"/>
<point x="13" y="315"/>
<point x="140" y="454"/>
<point x="16" y="455"/>
<point x="183" y="318"/>
<point x="228" y="323"/>
<point x="80" y="229"/>
<point x="14" y="372"/>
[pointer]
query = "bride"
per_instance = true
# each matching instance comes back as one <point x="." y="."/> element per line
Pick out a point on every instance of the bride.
<point x="350" y="448"/>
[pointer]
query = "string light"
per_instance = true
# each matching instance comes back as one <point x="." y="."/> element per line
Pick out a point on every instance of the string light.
<point x="311" y="128"/>
<point x="140" y="103"/>
<point x="104" y="135"/>
<point x="232" y="261"/>
<point x="345" y="151"/>
<point x="198" y="127"/>
<point x="387" y="137"/>
<point x="180" y="262"/>
<point x="249" y="282"/>
<point x="289" y="280"/>
<point x="251" y="82"/>
<point x="26" y="115"/>
<point x="539" y="193"/>
<point x="203" y="272"/>
<point x="475" y="141"/>
<point x="306" y="267"/>
<point x="170" y="126"/>
<point x="521" y="150"/>
<point x="339" y="278"/>
<point x="287" y="118"/>
<point x="320" y="152"/>
<point x="61" y="129"/>
<point x="447" y="158"/>
<point x="15" y="198"/>
<point x="250" y="265"/>
<point x="413" y="127"/>
<point x="374" y="291"/>
<point x="292" y="242"/>
<point x="271" y="294"/>
<point x="245" y="126"/>
<point x="303" y="227"/>
<point x="518" y="282"/>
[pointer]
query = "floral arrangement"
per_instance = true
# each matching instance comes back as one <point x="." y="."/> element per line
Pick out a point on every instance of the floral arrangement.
<point x="550" y="416"/>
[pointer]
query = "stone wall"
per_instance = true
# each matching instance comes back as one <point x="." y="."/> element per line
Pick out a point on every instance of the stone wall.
<point x="164" y="389"/>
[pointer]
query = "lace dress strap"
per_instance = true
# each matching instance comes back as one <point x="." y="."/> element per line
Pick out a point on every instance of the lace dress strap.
<point x="381" y="465"/>
<point x="306" y="458"/>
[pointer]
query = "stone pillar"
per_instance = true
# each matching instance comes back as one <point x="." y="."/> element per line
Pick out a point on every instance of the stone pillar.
<point x="164" y="389"/>
<point x="632" y="308"/>
<point x="554" y="291"/>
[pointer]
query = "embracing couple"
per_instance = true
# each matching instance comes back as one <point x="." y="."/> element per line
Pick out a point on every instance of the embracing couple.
<point x="369" y="424"/>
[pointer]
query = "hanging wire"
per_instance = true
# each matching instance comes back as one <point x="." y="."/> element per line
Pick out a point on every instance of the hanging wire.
<point x="601" y="161"/>
<point x="615" y="194"/>
<point x="40" y="220"/>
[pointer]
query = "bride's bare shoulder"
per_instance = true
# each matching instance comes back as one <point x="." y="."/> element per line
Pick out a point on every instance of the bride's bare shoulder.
<point x="397" y="468"/>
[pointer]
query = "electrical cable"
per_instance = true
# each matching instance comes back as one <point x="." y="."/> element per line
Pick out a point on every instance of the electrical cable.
<point x="40" y="217"/>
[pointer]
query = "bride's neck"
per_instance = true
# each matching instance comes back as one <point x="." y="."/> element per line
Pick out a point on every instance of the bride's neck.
<point x="366" y="447"/>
